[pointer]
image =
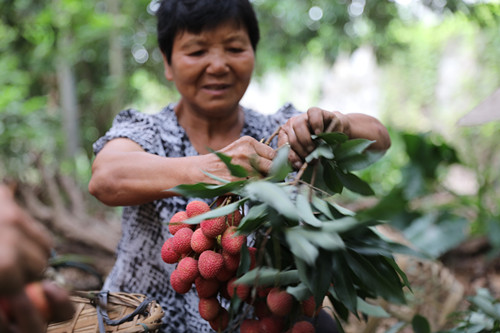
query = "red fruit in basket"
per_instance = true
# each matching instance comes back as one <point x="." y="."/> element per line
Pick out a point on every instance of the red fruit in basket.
<point x="234" y="218"/>
<point x="303" y="327"/>
<point x="178" y="284"/>
<point x="197" y="207"/>
<point x="232" y="243"/>
<point x="176" y="224"/>
<point x="188" y="269"/>
<point x="221" y="322"/>
<point x="210" y="263"/>
<point x="279" y="302"/>
<point x="206" y="287"/>
<point x="250" y="326"/>
<point x="272" y="324"/>
<point x="200" y="242"/>
<point x="181" y="242"/>
<point x="213" y="227"/>
<point x="309" y="307"/>
<point x="168" y="254"/>
<point x="209" y="308"/>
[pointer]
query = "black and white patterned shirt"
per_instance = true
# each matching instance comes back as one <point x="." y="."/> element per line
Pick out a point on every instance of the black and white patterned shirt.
<point x="139" y="267"/>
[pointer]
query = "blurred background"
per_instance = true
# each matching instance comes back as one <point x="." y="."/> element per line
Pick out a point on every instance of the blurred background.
<point x="69" y="66"/>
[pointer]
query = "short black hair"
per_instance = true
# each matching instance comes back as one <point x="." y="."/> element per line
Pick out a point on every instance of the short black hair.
<point x="174" y="16"/>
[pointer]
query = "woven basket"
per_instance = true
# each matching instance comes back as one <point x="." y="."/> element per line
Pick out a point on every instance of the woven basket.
<point x="119" y="305"/>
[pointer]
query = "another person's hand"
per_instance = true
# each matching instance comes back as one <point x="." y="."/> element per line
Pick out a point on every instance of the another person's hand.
<point x="24" y="246"/>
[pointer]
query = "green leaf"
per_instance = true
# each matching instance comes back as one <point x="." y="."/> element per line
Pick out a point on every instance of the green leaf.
<point x="234" y="169"/>
<point x="352" y="148"/>
<point x="354" y="183"/>
<point x="254" y="218"/>
<point x="204" y="190"/>
<point x="330" y="241"/>
<point x="321" y="151"/>
<point x="371" y="309"/>
<point x="305" y="211"/>
<point x="301" y="247"/>
<point x="359" y="162"/>
<point x="274" y="196"/>
<point x="280" y="168"/>
<point x="420" y="324"/>
<point x="343" y="283"/>
<point x="219" y="211"/>
<point x="332" y="138"/>
<point x="330" y="177"/>
<point x="300" y="291"/>
<point x="266" y="276"/>
<point x="245" y="260"/>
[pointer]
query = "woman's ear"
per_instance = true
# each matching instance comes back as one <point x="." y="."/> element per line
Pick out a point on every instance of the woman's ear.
<point x="168" y="68"/>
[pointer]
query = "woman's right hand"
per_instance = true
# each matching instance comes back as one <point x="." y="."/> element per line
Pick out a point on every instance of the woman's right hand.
<point x="254" y="156"/>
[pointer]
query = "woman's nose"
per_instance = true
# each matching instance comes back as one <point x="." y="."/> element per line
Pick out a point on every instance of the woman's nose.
<point x="217" y="63"/>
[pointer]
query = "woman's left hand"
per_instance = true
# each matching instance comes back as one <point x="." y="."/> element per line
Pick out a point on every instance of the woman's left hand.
<point x="297" y="131"/>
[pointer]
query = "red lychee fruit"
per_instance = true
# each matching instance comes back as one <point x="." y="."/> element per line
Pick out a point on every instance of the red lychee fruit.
<point x="241" y="290"/>
<point x="253" y="256"/>
<point x="232" y="243"/>
<point x="272" y="324"/>
<point x="196" y="207"/>
<point x="309" y="307"/>
<point x="200" y="242"/>
<point x="231" y="261"/>
<point x="225" y="274"/>
<point x="209" y="308"/>
<point x="210" y="263"/>
<point x="181" y="242"/>
<point x="213" y="227"/>
<point x="303" y="327"/>
<point x="221" y="322"/>
<point x="168" y="254"/>
<point x="234" y="218"/>
<point x="176" y="224"/>
<point x="188" y="269"/>
<point x="250" y="326"/>
<point x="206" y="287"/>
<point x="178" y="284"/>
<point x="279" y="302"/>
<point x="261" y="310"/>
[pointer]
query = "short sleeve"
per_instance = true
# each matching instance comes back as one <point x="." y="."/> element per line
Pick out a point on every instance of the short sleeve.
<point x="134" y="125"/>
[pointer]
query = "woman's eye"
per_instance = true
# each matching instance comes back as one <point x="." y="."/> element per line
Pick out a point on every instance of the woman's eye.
<point x="196" y="53"/>
<point x="235" y="49"/>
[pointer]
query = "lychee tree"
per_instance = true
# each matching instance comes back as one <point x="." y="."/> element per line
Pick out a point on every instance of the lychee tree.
<point x="299" y="240"/>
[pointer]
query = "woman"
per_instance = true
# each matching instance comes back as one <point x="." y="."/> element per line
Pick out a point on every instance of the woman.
<point x="209" y="53"/>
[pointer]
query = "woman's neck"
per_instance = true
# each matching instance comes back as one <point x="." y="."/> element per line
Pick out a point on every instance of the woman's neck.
<point x="210" y="132"/>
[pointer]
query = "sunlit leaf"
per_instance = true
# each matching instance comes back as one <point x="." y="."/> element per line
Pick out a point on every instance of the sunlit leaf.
<point x="274" y="196"/>
<point x="305" y="211"/>
<point x="280" y="168"/>
<point x="332" y="138"/>
<point x="234" y="169"/>
<point x="322" y="151"/>
<point x="371" y="309"/>
<point x="351" y="148"/>
<point x="266" y="276"/>
<point x="301" y="246"/>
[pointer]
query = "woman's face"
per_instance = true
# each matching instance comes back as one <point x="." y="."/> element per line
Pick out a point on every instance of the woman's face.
<point x="212" y="70"/>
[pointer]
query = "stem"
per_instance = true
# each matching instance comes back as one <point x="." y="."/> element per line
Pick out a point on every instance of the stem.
<point x="268" y="141"/>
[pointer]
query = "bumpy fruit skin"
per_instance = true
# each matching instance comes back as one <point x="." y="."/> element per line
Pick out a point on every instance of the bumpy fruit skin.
<point x="196" y="207"/>
<point x="181" y="242"/>
<point x="221" y="322"/>
<point x="200" y="242"/>
<point x="168" y="255"/>
<point x="234" y="218"/>
<point x="280" y="302"/>
<point x="309" y="307"/>
<point x="272" y="324"/>
<point x="250" y="326"/>
<point x="188" y="269"/>
<point x="178" y="284"/>
<point x="210" y="263"/>
<point x="241" y="290"/>
<point x="213" y="227"/>
<point x="209" y="308"/>
<point x="232" y="243"/>
<point x="231" y="261"/>
<point x="303" y="327"/>
<point x="176" y="224"/>
<point x="206" y="288"/>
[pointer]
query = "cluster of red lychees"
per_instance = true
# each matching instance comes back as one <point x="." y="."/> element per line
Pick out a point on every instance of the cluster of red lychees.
<point x="208" y="256"/>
